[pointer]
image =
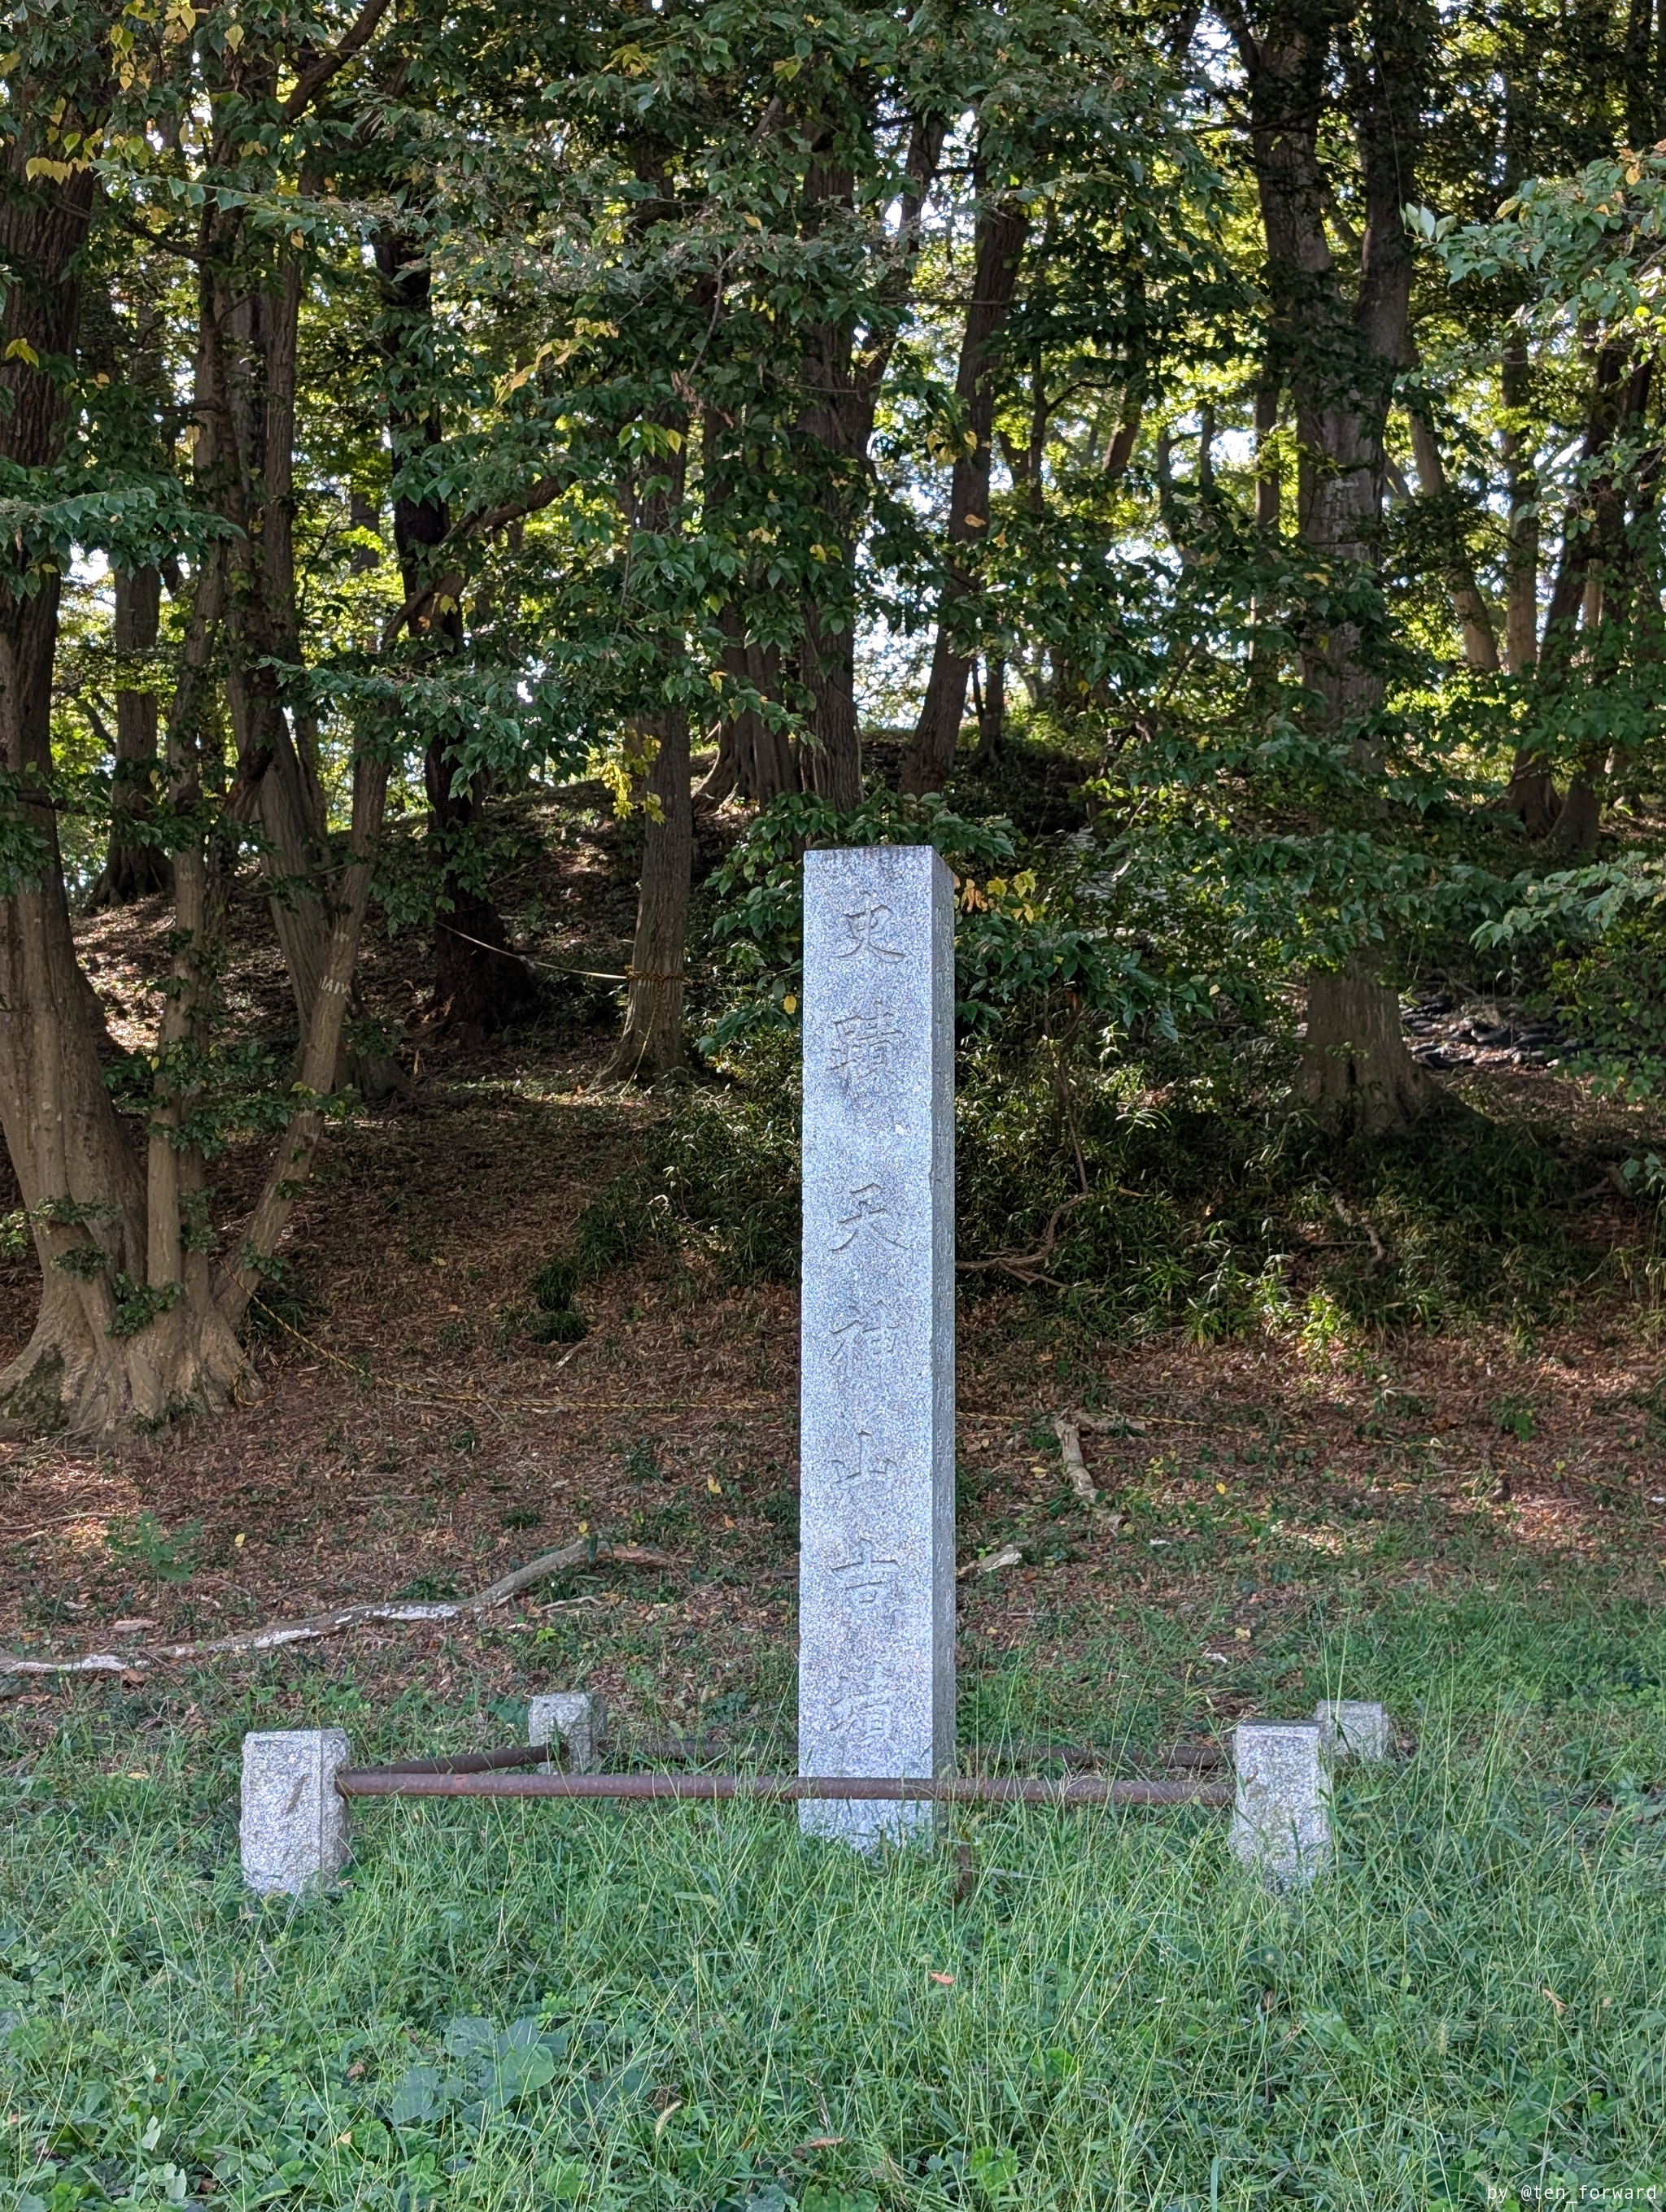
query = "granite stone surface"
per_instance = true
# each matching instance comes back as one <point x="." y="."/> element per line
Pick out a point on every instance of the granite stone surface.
<point x="1351" y="1728"/>
<point x="876" y="1580"/>
<point x="294" y="1832"/>
<point x="1281" y="1816"/>
<point x="574" y="1719"/>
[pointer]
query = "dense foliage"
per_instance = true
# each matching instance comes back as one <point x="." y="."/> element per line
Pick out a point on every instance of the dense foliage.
<point x="1228" y="443"/>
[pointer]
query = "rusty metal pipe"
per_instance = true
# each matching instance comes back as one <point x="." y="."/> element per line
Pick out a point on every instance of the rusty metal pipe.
<point x="471" y="1762"/>
<point x="436" y="1781"/>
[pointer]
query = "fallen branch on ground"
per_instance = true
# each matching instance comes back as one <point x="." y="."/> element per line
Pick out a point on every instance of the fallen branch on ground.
<point x="1124" y="1424"/>
<point x="1068" y="1428"/>
<point x="1008" y="1556"/>
<point x="585" y="1552"/>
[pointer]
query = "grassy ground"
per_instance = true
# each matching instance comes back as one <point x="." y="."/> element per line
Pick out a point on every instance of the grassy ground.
<point x="535" y="2005"/>
<point x="548" y="2005"/>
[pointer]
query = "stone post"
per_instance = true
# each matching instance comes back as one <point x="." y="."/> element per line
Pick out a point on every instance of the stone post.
<point x="574" y="1720"/>
<point x="876" y="1576"/>
<point x="1281" y="1818"/>
<point x="1350" y="1728"/>
<point x="294" y="1832"/>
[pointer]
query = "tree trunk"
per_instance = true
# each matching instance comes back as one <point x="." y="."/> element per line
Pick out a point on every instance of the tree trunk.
<point x="835" y="755"/>
<point x="991" y="699"/>
<point x="136" y="867"/>
<point x="757" y="760"/>
<point x="74" y="1168"/>
<point x="480" y="987"/>
<point x="1342" y="363"/>
<point x="1522" y="477"/>
<point x="1475" y="616"/>
<point x="1356" y="1073"/>
<point x="1594" y="577"/>
<point x="246" y="406"/>
<point x="1002" y="226"/>
<point x="652" y="1043"/>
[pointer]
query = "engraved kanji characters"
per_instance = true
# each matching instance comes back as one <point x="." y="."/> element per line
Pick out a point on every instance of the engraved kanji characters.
<point x="870" y="1217"/>
<point x="867" y="925"/>
<point x="866" y="1581"/>
<point x="863" y="1053"/>
<point x="859" y="1341"/>
<point x="863" y="1465"/>
<point x="863" y="1719"/>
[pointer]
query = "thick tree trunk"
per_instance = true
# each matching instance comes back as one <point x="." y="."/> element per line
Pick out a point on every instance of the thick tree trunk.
<point x="1002" y="226"/>
<point x="480" y="985"/>
<point x="245" y="405"/>
<point x="1341" y="363"/>
<point x="757" y="760"/>
<point x="1356" y="1074"/>
<point x="835" y="755"/>
<point x="74" y="1168"/>
<point x="129" y="1325"/>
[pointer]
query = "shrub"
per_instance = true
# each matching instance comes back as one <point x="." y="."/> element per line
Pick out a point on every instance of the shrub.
<point x="564" y="1326"/>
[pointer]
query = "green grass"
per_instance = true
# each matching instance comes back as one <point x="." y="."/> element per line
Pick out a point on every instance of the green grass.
<point x="542" y="2005"/>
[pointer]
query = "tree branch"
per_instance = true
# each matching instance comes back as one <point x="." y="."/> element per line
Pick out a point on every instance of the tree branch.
<point x="585" y="1552"/>
<point x="546" y="489"/>
<point x="313" y="81"/>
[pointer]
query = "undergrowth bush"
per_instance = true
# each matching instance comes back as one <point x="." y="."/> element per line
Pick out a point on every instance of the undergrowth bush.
<point x="1127" y="1150"/>
<point x="1612" y="995"/>
<point x="1127" y="1203"/>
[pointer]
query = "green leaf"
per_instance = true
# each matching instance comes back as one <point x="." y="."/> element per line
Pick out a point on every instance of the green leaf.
<point x="423" y="2095"/>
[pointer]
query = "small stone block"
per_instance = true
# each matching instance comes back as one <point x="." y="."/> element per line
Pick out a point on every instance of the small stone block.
<point x="1349" y="1728"/>
<point x="1281" y="1818"/>
<point x="574" y="1719"/>
<point x="295" y="1831"/>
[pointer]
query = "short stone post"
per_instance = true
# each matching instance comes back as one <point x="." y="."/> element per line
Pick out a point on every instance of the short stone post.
<point x="1281" y="1818"/>
<point x="1349" y="1728"/>
<point x="876" y="1571"/>
<point x="575" y="1720"/>
<point x="294" y="1832"/>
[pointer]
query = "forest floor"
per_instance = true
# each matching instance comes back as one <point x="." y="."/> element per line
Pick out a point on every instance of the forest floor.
<point x="1471" y="1526"/>
<point x="411" y="1438"/>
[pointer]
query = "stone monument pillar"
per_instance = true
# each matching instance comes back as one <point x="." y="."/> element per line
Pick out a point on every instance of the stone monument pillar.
<point x="876" y="1577"/>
